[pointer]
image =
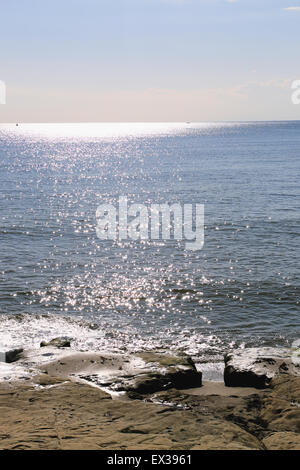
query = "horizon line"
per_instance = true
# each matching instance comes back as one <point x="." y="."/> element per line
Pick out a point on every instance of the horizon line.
<point x="149" y="122"/>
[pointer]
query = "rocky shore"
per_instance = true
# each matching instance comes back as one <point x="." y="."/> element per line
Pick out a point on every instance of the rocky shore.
<point x="63" y="399"/>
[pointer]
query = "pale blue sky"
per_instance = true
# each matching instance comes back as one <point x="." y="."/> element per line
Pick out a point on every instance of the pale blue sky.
<point x="149" y="60"/>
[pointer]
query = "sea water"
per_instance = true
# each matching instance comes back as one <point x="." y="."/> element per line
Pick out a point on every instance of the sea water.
<point x="58" y="278"/>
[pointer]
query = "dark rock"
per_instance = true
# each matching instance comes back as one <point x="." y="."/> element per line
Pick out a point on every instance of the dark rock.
<point x="183" y="379"/>
<point x="13" y="355"/>
<point x="245" y="378"/>
<point x="142" y="373"/>
<point x="179" y="379"/>
<point x="170" y="372"/>
<point x="62" y="342"/>
<point x="256" y="367"/>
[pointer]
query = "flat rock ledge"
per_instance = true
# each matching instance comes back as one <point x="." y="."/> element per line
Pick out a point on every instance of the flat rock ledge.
<point x="149" y="372"/>
<point x="138" y="374"/>
<point x="167" y="409"/>
<point x="256" y="367"/>
<point x="70" y="415"/>
<point x="169" y="372"/>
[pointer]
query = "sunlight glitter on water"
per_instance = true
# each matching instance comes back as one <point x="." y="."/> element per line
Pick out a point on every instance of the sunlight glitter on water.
<point x="241" y="289"/>
<point x="108" y="130"/>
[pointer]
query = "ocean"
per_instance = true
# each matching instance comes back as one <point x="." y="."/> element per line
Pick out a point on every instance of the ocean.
<point x="57" y="278"/>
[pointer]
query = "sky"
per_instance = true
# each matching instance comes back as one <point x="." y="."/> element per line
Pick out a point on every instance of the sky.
<point x="149" y="60"/>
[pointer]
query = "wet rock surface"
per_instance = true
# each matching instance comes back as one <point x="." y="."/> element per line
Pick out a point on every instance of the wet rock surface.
<point x="256" y="367"/>
<point x="61" y="342"/>
<point x="14" y="355"/>
<point x="169" y="372"/>
<point x="141" y="373"/>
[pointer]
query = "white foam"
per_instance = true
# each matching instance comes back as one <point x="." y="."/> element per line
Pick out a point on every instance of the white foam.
<point x="14" y="372"/>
